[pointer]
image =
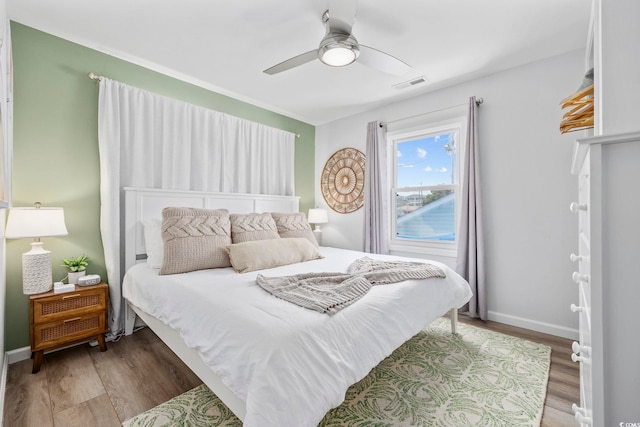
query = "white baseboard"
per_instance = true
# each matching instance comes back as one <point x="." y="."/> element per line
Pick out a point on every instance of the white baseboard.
<point x="534" y="325"/>
<point x="18" y="355"/>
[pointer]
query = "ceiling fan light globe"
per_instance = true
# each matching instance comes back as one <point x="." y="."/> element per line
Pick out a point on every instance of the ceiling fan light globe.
<point x="338" y="56"/>
<point x="338" y="50"/>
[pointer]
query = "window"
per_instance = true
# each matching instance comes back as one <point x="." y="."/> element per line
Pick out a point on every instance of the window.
<point x="425" y="188"/>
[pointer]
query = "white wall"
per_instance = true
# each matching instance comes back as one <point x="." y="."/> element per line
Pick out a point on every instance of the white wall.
<point x="527" y="186"/>
<point x="616" y="66"/>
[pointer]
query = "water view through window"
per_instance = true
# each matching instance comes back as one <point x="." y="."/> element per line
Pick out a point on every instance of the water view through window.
<point x="426" y="184"/>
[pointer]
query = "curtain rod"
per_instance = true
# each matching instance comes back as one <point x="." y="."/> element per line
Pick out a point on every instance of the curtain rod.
<point x="94" y="76"/>
<point x="478" y="102"/>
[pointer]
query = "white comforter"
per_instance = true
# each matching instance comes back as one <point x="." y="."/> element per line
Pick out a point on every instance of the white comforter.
<point x="290" y="365"/>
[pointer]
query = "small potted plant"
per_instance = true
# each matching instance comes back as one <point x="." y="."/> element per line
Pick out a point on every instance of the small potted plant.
<point x="77" y="267"/>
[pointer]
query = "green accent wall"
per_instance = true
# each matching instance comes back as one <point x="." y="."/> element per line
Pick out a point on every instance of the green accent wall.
<point x="55" y="148"/>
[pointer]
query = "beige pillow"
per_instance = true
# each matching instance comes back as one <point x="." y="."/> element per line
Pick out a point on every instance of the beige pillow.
<point x="254" y="226"/>
<point x="294" y="225"/>
<point x="261" y="254"/>
<point x="194" y="239"/>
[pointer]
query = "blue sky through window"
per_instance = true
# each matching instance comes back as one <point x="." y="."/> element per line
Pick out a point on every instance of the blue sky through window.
<point x="425" y="161"/>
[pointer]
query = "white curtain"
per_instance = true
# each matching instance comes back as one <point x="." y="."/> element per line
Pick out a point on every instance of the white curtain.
<point x="6" y="115"/>
<point x="376" y="234"/>
<point x="148" y="140"/>
<point x="470" y="261"/>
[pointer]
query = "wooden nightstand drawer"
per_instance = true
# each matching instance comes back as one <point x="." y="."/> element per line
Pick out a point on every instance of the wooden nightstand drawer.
<point x="63" y="331"/>
<point x="69" y="305"/>
<point x="60" y="320"/>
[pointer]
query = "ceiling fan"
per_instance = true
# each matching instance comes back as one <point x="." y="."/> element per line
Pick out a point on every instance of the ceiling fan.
<point x="339" y="47"/>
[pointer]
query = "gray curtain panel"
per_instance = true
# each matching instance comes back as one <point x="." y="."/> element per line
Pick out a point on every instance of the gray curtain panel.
<point x="470" y="262"/>
<point x="376" y="193"/>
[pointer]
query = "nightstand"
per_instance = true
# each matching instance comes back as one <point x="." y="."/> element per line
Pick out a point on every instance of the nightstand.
<point x="60" y="320"/>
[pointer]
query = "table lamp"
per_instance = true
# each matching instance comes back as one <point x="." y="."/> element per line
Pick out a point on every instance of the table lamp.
<point x="35" y="223"/>
<point x="317" y="217"/>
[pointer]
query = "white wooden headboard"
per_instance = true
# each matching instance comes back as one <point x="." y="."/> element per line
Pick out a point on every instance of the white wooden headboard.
<point x="147" y="203"/>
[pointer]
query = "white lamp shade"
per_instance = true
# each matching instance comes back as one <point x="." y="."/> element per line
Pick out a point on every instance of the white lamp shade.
<point x="35" y="222"/>
<point x="318" y="216"/>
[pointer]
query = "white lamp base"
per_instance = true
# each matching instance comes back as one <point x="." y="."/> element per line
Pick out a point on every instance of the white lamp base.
<point x="36" y="270"/>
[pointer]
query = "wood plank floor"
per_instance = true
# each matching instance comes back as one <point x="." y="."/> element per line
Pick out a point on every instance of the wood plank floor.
<point x="81" y="386"/>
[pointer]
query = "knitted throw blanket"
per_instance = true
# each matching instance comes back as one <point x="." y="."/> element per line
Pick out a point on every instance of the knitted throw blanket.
<point x="331" y="292"/>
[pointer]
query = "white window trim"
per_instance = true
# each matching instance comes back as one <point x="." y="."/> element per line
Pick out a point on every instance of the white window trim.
<point x="438" y="248"/>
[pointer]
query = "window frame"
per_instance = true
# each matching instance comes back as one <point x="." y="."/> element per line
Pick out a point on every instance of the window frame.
<point x="456" y="122"/>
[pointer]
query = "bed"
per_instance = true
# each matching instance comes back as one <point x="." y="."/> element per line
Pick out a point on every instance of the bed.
<point x="273" y="363"/>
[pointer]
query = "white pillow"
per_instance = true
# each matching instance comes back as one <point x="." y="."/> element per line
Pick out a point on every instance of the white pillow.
<point x="153" y="242"/>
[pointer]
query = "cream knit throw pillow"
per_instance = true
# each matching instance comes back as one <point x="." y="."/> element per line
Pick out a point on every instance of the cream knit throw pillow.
<point x="294" y="225"/>
<point x="194" y="239"/>
<point x="254" y="226"/>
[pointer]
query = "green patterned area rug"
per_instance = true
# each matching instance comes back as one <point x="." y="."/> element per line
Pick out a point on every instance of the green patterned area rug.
<point x="474" y="378"/>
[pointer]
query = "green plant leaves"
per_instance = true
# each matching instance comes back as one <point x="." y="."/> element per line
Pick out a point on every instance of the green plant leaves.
<point x="76" y="264"/>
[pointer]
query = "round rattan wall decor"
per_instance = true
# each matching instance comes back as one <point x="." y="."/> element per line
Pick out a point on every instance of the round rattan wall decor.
<point x="342" y="181"/>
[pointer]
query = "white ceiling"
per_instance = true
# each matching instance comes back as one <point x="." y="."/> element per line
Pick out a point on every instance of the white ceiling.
<point x="225" y="45"/>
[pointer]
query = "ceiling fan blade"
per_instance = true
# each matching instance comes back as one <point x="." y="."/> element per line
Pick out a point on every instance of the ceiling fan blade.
<point x="342" y="14"/>
<point x="382" y="61"/>
<point x="292" y="62"/>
